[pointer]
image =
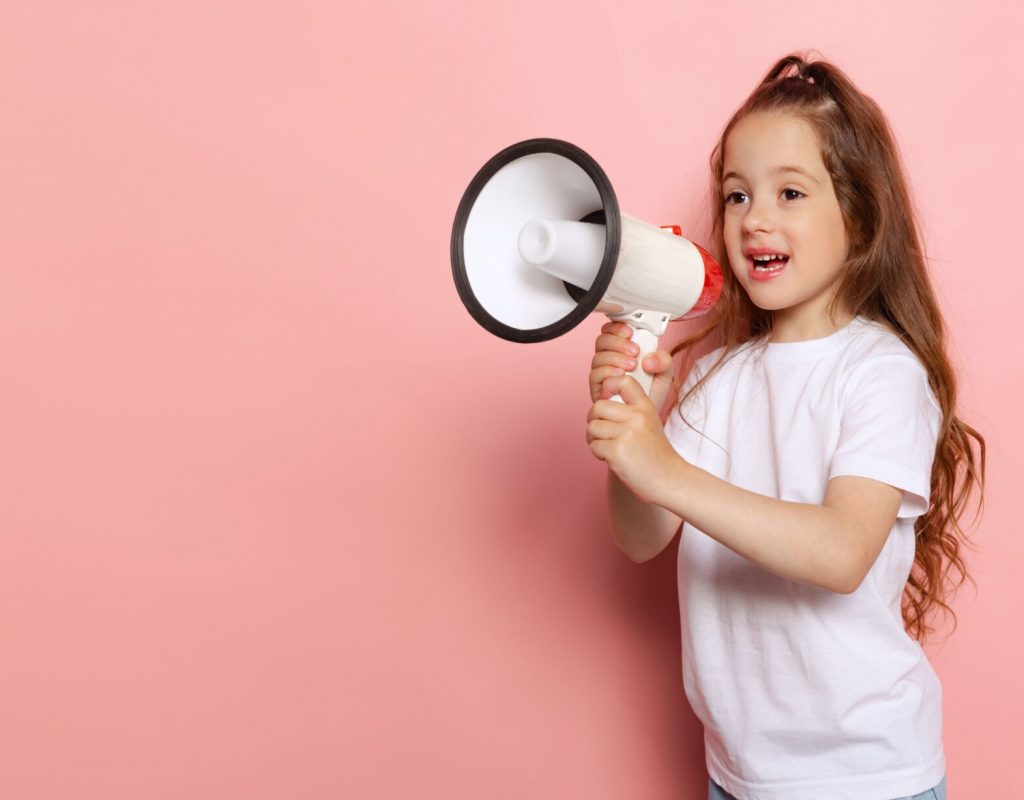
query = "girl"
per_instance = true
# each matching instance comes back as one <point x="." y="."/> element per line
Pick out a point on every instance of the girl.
<point x="815" y="456"/>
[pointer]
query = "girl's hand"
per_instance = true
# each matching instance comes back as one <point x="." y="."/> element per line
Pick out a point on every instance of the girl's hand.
<point x="629" y="437"/>
<point x="615" y="355"/>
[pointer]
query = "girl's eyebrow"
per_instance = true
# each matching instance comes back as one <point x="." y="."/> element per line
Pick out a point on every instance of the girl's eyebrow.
<point x="778" y="171"/>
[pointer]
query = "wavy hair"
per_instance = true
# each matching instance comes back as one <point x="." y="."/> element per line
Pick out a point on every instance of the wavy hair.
<point x="884" y="279"/>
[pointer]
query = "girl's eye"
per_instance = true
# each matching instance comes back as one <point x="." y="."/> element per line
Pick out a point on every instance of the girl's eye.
<point x="792" y="194"/>
<point x="732" y="198"/>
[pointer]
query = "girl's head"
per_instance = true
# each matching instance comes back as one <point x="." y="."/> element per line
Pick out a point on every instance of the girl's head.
<point x="783" y="229"/>
<point x="807" y="169"/>
<point x="858" y="249"/>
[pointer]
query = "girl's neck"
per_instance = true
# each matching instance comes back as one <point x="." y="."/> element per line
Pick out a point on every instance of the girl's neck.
<point x="790" y="326"/>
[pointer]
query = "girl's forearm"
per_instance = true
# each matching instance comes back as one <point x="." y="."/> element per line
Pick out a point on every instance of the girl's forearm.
<point x="640" y="529"/>
<point x="798" y="541"/>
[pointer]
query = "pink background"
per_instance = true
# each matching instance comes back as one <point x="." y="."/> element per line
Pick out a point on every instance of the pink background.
<point x="278" y="519"/>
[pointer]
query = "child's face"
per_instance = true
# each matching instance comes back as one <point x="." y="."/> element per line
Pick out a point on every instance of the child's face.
<point x="779" y="199"/>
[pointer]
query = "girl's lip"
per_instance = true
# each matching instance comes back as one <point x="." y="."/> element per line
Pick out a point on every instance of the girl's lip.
<point x="766" y="275"/>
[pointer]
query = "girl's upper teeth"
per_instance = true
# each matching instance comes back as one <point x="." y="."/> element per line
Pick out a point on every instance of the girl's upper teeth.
<point x="767" y="258"/>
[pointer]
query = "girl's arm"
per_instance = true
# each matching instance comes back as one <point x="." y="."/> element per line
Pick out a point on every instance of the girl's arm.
<point x="640" y="529"/>
<point x="831" y="546"/>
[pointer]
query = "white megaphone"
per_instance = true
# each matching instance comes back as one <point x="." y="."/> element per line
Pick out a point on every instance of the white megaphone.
<point x="539" y="243"/>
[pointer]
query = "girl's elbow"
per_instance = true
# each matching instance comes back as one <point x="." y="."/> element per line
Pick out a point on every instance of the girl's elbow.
<point x="642" y="558"/>
<point x="638" y="555"/>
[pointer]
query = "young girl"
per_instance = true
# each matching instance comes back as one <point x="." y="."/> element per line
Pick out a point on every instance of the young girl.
<point x="816" y="458"/>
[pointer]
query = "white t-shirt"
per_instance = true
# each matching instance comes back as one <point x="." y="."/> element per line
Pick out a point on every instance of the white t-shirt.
<point x="808" y="694"/>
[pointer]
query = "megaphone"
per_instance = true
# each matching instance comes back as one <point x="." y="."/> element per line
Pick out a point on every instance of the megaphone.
<point x="539" y="243"/>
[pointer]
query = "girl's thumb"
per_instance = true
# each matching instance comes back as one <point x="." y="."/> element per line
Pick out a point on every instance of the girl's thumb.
<point x="659" y="364"/>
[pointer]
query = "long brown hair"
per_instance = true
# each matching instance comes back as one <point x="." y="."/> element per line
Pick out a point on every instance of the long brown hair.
<point x="884" y="279"/>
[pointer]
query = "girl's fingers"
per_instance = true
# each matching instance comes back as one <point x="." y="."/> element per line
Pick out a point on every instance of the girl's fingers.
<point x="614" y="354"/>
<point x="599" y="375"/>
<point x="612" y="411"/>
<point x="618" y="344"/>
<point x="604" y="419"/>
<point x="600" y="429"/>
<point x="618" y="328"/>
<point x="607" y="358"/>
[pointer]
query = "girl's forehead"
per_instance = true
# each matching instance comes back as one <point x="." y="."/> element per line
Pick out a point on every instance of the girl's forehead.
<point x="767" y="141"/>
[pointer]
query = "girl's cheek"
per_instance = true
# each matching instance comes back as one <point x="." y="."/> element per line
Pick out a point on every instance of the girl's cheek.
<point x="739" y="267"/>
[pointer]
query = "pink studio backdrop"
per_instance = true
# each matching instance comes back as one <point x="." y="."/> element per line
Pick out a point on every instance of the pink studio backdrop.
<point x="278" y="520"/>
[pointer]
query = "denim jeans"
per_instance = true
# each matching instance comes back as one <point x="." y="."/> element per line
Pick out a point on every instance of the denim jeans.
<point x="716" y="792"/>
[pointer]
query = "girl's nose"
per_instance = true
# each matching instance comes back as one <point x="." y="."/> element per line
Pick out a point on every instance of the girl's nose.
<point x="757" y="218"/>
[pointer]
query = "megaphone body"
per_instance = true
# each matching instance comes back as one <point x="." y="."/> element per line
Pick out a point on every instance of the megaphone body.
<point x="539" y="243"/>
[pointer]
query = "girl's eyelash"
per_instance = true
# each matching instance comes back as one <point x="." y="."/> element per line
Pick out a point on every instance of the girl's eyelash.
<point x="788" y="193"/>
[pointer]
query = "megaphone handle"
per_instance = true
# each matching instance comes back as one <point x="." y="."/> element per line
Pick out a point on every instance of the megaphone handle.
<point x="648" y="343"/>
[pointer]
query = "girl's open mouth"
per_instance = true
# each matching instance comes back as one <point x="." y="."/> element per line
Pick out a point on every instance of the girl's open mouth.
<point x="764" y="268"/>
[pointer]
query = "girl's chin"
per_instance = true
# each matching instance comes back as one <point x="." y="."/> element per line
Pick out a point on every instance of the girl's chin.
<point x="764" y="305"/>
<point x="760" y="294"/>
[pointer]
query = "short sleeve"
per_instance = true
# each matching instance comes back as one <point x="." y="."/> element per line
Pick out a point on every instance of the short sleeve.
<point x="889" y="423"/>
<point x="687" y="417"/>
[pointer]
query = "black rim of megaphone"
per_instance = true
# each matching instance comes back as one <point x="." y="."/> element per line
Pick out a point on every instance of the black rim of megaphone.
<point x="591" y="297"/>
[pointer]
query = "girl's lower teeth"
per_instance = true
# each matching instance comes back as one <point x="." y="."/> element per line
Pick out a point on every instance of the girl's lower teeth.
<point x="771" y="265"/>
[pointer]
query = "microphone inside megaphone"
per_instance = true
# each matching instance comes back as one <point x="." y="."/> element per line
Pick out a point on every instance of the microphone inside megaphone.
<point x="539" y="243"/>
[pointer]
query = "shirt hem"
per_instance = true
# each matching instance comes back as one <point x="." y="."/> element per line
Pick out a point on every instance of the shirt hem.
<point x="884" y="786"/>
